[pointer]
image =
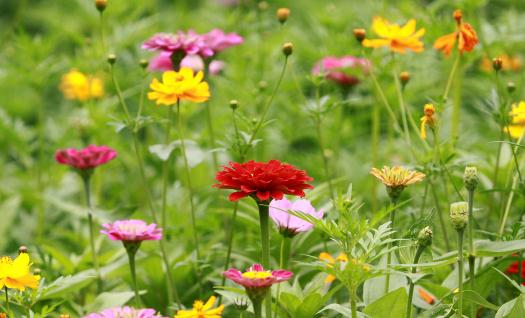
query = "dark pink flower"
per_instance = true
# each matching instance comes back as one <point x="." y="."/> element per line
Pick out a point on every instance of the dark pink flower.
<point x="132" y="231"/>
<point x="88" y="158"/>
<point x="185" y="42"/>
<point x="161" y="63"/>
<point x="256" y="277"/>
<point x="218" y="41"/>
<point x="344" y="70"/>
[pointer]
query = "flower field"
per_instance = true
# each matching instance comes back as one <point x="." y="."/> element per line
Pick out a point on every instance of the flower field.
<point x="276" y="159"/>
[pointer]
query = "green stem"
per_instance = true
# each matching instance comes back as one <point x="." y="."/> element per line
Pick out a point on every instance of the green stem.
<point x="6" y="291"/>
<point x="419" y="251"/>
<point x="325" y="159"/>
<point x="230" y="240"/>
<point x="451" y="76"/>
<point x="403" y="110"/>
<point x="87" y="192"/>
<point x="460" y="274"/>
<point x="376" y="131"/>
<point x="281" y="266"/>
<point x="257" y="308"/>
<point x="440" y="215"/>
<point x="165" y="168"/>
<point x="131" y="258"/>
<point x="472" y="256"/>
<point x="353" y="306"/>
<point x="102" y="36"/>
<point x="265" y="245"/>
<point x="389" y="246"/>
<point x="190" y="190"/>
<point x="209" y="121"/>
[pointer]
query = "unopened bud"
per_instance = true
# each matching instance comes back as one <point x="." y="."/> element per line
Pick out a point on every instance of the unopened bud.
<point x="263" y="5"/>
<point x="263" y="85"/>
<point x="424" y="238"/>
<point x="287" y="48"/>
<point x="101" y="5"/>
<point x="359" y="34"/>
<point x="234" y="104"/>
<point x="255" y="121"/>
<point x="347" y="202"/>
<point x="459" y="215"/>
<point x="143" y="63"/>
<point x="497" y="63"/>
<point x="470" y="178"/>
<point x="511" y="87"/>
<point x="112" y="58"/>
<point x="37" y="271"/>
<point x="22" y="249"/>
<point x="283" y="14"/>
<point x="404" y="77"/>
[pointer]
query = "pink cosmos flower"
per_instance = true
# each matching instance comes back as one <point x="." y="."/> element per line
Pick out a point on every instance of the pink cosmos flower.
<point x="290" y="225"/>
<point x="88" y="158"/>
<point x="218" y="41"/>
<point x="125" y="312"/>
<point x="132" y="231"/>
<point x="256" y="277"/>
<point x="343" y="70"/>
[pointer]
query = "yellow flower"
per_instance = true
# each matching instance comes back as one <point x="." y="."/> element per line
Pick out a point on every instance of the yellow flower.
<point x="398" y="38"/>
<point x="182" y="85"/>
<point x="342" y="257"/>
<point x="202" y="310"/>
<point x="396" y="179"/>
<point x="15" y="273"/>
<point x="428" y="119"/>
<point x="517" y="115"/>
<point x="76" y="85"/>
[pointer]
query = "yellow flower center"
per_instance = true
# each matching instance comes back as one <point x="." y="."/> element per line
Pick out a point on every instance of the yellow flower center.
<point x="257" y="275"/>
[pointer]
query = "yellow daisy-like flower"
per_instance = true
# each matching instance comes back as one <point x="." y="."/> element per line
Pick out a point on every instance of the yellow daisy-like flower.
<point x="177" y="86"/>
<point x="202" y="310"/>
<point x="397" y="38"/>
<point x="76" y="85"/>
<point x="15" y="273"/>
<point x="517" y="115"/>
<point x="330" y="260"/>
<point x="396" y="179"/>
<point x="428" y="119"/>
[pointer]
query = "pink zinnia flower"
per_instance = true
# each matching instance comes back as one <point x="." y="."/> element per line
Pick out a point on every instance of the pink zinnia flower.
<point x="343" y="70"/>
<point x="218" y="41"/>
<point x="256" y="277"/>
<point x="132" y="231"/>
<point x="161" y="63"/>
<point x="216" y="67"/>
<point x="88" y="158"/>
<point x="185" y="42"/>
<point x="125" y="312"/>
<point x="290" y="225"/>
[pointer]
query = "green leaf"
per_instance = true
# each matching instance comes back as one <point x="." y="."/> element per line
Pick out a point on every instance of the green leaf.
<point x="496" y="249"/>
<point x="512" y="309"/>
<point x="64" y="285"/>
<point x="345" y="311"/>
<point x="473" y="297"/>
<point x="392" y="305"/>
<point x="109" y="300"/>
<point x="310" y="305"/>
<point x="162" y="151"/>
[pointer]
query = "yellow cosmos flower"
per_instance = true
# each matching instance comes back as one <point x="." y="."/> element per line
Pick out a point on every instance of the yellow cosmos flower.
<point x="76" y="85"/>
<point x="177" y="86"/>
<point x="397" y="38"/>
<point x="330" y="260"/>
<point x="15" y="273"/>
<point x="517" y="115"/>
<point x="428" y="119"/>
<point x="202" y="310"/>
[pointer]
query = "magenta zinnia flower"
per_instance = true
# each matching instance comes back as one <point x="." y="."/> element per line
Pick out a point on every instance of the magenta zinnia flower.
<point x="186" y="42"/>
<point x="88" y="158"/>
<point x="257" y="278"/>
<point x="125" y="312"/>
<point x="290" y="225"/>
<point x="132" y="231"/>
<point x="218" y="41"/>
<point x="344" y="70"/>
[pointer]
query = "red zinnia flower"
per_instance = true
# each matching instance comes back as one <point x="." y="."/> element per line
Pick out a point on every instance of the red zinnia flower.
<point x="514" y="269"/>
<point x="262" y="180"/>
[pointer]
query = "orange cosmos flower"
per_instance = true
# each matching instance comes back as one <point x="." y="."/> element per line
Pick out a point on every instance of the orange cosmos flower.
<point x="428" y="120"/>
<point x="465" y="36"/>
<point x="331" y="261"/>
<point x="397" y="38"/>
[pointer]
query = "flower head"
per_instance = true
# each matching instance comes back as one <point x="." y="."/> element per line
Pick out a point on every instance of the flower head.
<point x="343" y="70"/>
<point x="15" y="273"/>
<point x="125" y="312"/>
<point x="459" y="215"/>
<point x="290" y="225"/>
<point x="76" y="85"/>
<point x="256" y="280"/>
<point x="330" y="261"/>
<point x="465" y="36"/>
<point x="428" y="119"/>
<point x="397" y="38"/>
<point x="176" y="86"/>
<point x="202" y="310"/>
<point x="517" y="116"/>
<point x="132" y="230"/>
<point x="396" y="179"/>
<point x="218" y="41"/>
<point x="185" y="42"/>
<point x="83" y="159"/>
<point x="263" y="180"/>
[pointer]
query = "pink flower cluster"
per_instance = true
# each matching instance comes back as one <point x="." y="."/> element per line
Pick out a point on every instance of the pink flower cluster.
<point x="132" y="231"/>
<point x="125" y="312"/>
<point x="290" y="225"/>
<point x="88" y="158"/>
<point x="344" y="70"/>
<point x="192" y="47"/>
<point x="257" y="277"/>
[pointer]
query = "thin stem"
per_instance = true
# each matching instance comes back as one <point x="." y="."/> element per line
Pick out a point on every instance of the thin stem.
<point x="281" y="266"/>
<point x="325" y="159"/>
<point x="376" y="130"/>
<point x="353" y="307"/>
<point x="403" y="109"/>
<point x="471" y="256"/>
<point x="265" y="245"/>
<point x="419" y="251"/>
<point x="389" y="246"/>
<point x="451" y="76"/>
<point x="6" y="291"/>
<point x="440" y="215"/>
<point x="87" y="193"/>
<point x="230" y="240"/>
<point x="190" y="189"/>
<point x="141" y="102"/>
<point x="209" y="121"/>
<point x="131" y="258"/>
<point x="165" y="167"/>
<point x="102" y="36"/>
<point x="460" y="274"/>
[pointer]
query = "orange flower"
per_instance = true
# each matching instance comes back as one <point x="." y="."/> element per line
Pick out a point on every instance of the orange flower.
<point x="465" y="36"/>
<point x="330" y="260"/>
<point x="428" y="120"/>
<point x="429" y="299"/>
<point x="397" y="38"/>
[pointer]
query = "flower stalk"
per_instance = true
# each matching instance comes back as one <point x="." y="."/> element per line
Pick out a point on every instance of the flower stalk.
<point x="460" y="274"/>
<point x="424" y="240"/>
<point x="131" y="250"/>
<point x="264" y="217"/>
<point x="87" y="191"/>
<point x="165" y="168"/>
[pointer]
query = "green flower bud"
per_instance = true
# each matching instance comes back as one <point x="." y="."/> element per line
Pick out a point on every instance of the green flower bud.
<point x="424" y="238"/>
<point x="470" y="178"/>
<point x="459" y="215"/>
